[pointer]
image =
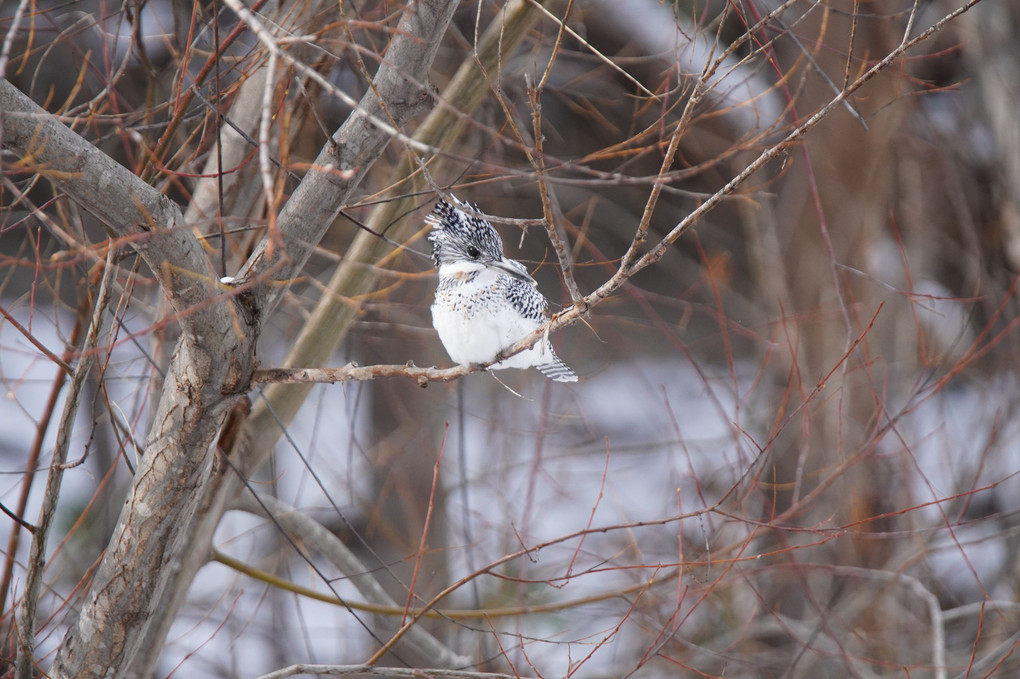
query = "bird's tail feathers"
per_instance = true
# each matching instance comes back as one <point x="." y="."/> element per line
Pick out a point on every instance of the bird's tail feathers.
<point x="557" y="370"/>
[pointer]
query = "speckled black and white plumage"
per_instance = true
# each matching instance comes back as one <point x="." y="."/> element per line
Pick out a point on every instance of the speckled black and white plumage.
<point x="485" y="303"/>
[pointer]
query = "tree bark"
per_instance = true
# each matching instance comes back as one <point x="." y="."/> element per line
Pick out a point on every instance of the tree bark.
<point x="212" y="366"/>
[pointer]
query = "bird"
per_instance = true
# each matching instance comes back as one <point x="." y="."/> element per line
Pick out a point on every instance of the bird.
<point x="485" y="303"/>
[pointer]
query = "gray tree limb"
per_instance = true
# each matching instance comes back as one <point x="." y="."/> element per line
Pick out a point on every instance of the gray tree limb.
<point x="211" y="367"/>
<point x="130" y="209"/>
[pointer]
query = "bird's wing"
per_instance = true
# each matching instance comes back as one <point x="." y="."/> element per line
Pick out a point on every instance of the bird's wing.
<point x="526" y="299"/>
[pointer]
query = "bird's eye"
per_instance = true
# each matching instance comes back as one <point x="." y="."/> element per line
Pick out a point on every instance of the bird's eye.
<point x="473" y="252"/>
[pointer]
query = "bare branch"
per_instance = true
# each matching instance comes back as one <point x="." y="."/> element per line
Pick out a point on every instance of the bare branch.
<point x="355" y="373"/>
<point x="37" y="558"/>
<point x="59" y="362"/>
<point x="396" y="96"/>
<point x="130" y="209"/>
<point x="553" y="229"/>
<point x="310" y="532"/>
<point x="570" y="315"/>
<point x="384" y="672"/>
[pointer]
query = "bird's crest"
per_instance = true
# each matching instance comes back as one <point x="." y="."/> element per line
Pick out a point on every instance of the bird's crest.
<point x="458" y="235"/>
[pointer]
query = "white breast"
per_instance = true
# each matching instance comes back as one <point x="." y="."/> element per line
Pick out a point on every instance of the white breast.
<point x="475" y="321"/>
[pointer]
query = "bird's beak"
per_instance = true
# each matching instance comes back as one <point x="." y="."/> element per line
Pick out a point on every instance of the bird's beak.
<point x="514" y="268"/>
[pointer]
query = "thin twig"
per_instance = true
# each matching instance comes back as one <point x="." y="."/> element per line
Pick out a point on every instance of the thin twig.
<point x="538" y="162"/>
<point x="394" y="609"/>
<point x="37" y="557"/>
<point x="775" y="150"/>
<point x="59" y="362"/>
<point x="32" y="459"/>
<point x="527" y="550"/>
<point x="17" y="519"/>
<point x="310" y="532"/>
<point x="271" y="44"/>
<point x="682" y="125"/>
<point x="609" y="62"/>
<point x="537" y="158"/>
<point x="183" y="99"/>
